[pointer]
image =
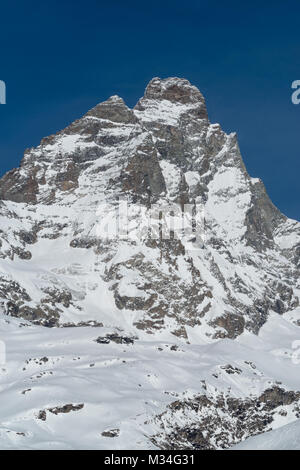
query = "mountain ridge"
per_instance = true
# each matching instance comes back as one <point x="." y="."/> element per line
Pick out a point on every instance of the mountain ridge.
<point x="163" y="151"/>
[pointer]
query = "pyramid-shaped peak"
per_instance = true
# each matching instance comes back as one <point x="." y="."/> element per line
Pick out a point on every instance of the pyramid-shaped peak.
<point x="113" y="109"/>
<point x="173" y="89"/>
<point x="168" y="98"/>
<point x="115" y="99"/>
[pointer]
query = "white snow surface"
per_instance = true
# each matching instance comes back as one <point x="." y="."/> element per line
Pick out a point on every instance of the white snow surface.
<point x="123" y="386"/>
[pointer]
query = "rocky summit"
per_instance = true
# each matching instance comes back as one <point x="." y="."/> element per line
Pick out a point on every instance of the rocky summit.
<point x="150" y="320"/>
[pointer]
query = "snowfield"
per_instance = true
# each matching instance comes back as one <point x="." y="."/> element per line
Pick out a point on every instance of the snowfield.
<point x="285" y="438"/>
<point x="124" y="386"/>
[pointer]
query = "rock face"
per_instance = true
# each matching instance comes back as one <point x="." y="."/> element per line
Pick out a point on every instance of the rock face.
<point x="240" y="266"/>
<point x="208" y="426"/>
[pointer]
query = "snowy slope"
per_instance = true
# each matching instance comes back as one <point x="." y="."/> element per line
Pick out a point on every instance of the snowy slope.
<point x="126" y="387"/>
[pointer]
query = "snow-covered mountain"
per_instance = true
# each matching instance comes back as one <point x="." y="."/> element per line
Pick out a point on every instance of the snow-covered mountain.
<point x="284" y="438"/>
<point x="178" y="342"/>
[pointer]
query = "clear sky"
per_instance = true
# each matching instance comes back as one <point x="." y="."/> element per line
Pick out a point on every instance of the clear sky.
<point x="60" y="58"/>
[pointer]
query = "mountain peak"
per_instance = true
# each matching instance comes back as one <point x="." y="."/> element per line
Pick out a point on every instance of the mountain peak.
<point x="173" y="89"/>
<point x="113" y="109"/>
<point x="176" y="91"/>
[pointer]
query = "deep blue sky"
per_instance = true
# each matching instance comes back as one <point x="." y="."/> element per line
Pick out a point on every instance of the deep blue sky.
<point x="60" y="58"/>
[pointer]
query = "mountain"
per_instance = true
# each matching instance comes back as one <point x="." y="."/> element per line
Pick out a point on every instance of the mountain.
<point x="175" y="337"/>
